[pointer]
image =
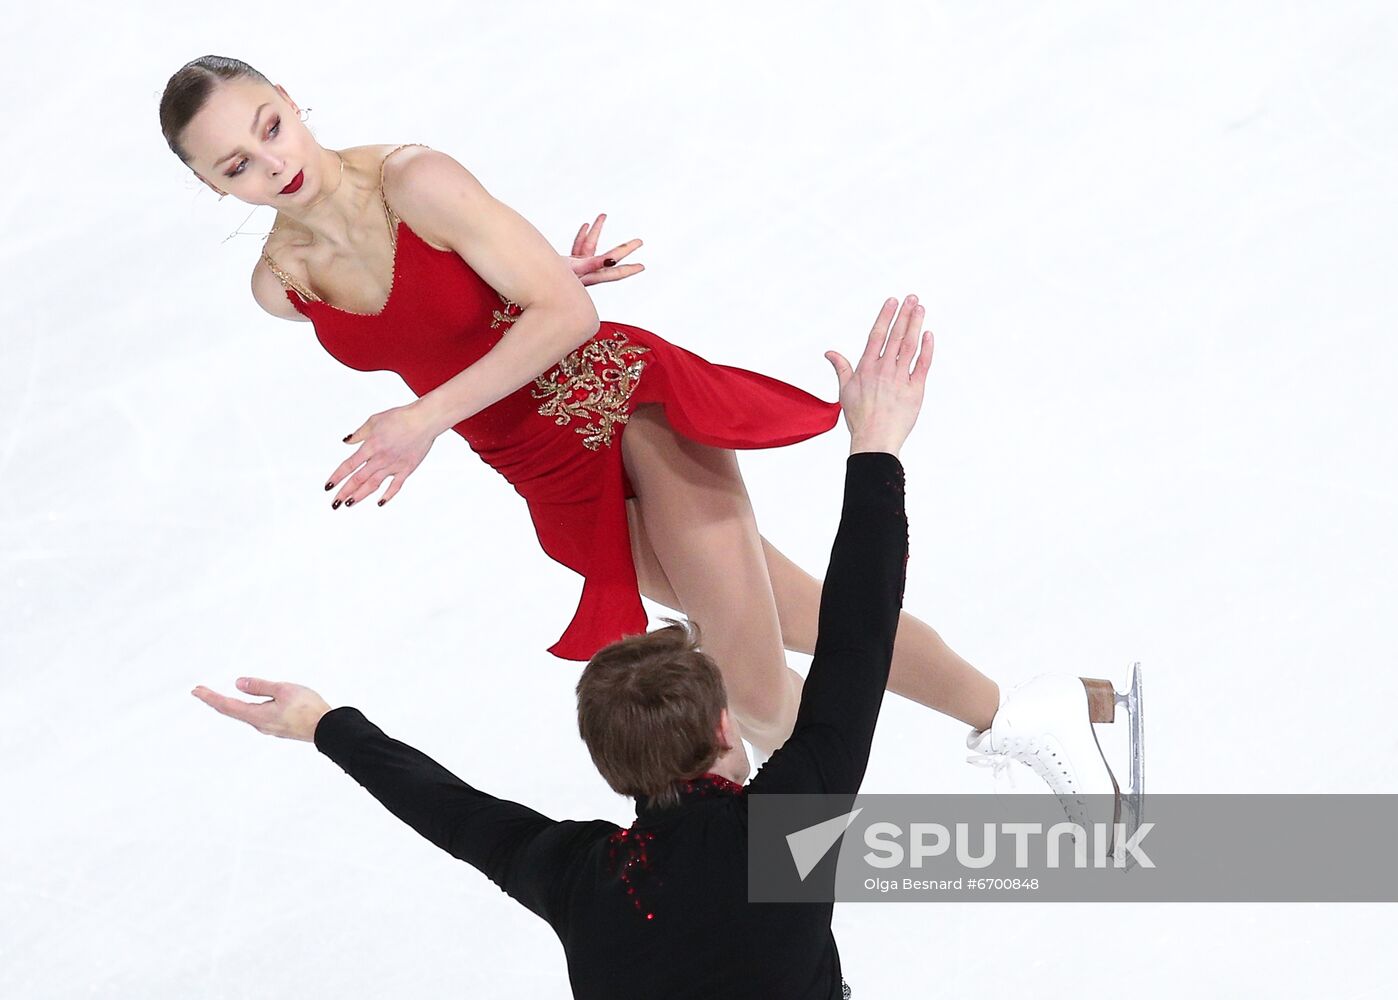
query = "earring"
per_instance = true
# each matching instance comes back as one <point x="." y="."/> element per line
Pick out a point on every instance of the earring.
<point x="305" y="113"/>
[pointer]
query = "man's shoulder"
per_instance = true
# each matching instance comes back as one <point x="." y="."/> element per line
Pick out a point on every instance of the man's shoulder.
<point x="582" y="832"/>
<point x="599" y="827"/>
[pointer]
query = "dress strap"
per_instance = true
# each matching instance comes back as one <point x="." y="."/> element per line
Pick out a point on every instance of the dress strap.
<point x="389" y="213"/>
<point x="288" y="281"/>
<point x="390" y="216"/>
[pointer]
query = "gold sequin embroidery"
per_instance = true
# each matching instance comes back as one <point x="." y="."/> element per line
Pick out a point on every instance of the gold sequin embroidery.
<point x="592" y="384"/>
<point x="506" y="316"/>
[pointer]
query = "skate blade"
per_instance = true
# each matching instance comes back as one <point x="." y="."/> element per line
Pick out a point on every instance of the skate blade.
<point x="1103" y="700"/>
<point x="1136" y="796"/>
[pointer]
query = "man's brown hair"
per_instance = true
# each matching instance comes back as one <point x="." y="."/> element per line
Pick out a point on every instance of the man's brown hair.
<point x="648" y="710"/>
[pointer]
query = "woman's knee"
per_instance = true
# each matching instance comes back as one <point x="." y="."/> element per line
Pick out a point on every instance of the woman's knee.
<point x="766" y="702"/>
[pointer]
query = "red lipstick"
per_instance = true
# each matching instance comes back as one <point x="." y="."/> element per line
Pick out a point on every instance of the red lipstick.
<point x="295" y="184"/>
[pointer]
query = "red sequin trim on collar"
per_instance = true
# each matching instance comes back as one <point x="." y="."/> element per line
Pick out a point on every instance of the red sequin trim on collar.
<point x="629" y="849"/>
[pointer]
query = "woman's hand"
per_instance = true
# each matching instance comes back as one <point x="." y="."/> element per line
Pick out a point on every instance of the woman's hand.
<point x="391" y="444"/>
<point x="592" y="269"/>
<point x="292" y="713"/>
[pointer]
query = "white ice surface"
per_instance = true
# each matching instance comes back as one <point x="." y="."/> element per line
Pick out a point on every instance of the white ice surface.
<point x="1151" y="240"/>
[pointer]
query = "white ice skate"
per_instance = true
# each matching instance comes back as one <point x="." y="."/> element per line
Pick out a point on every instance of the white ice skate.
<point x="1047" y="724"/>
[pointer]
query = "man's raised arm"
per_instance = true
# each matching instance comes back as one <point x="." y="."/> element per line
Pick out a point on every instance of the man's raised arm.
<point x="862" y="595"/>
<point x="859" y="606"/>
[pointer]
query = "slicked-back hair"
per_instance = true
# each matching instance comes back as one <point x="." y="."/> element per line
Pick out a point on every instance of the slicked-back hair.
<point x="189" y="89"/>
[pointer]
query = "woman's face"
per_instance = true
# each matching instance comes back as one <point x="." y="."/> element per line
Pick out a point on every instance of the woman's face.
<point x="248" y="141"/>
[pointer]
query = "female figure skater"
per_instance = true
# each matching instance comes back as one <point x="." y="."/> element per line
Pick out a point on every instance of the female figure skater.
<point x="621" y="443"/>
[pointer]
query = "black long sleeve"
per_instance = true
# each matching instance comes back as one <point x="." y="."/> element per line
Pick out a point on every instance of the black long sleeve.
<point x="524" y="852"/>
<point x="859" y="606"/>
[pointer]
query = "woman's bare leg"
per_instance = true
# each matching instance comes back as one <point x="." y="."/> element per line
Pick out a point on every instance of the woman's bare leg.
<point x="700" y="527"/>
<point x="925" y="669"/>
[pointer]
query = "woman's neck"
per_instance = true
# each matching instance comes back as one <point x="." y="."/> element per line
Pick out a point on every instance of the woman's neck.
<point x="339" y="210"/>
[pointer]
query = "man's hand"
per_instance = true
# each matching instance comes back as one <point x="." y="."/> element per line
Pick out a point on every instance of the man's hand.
<point x="292" y="712"/>
<point x="882" y="396"/>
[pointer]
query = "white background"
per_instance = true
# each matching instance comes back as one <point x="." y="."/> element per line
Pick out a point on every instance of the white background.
<point x="1152" y="241"/>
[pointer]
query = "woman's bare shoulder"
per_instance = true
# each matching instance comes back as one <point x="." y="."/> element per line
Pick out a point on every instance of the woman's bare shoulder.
<point x="280" y="252"/>
<point x="269" y="293"/>
<point x="388" y="156"/>
<point x="428" y="188"/>
<point x="414" y="163"/>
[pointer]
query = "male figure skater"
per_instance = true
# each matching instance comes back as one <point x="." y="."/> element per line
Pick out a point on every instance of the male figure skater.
<point x="660" y="909"/>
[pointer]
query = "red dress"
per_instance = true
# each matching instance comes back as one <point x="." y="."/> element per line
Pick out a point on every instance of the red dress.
<point x="557" y="439"/>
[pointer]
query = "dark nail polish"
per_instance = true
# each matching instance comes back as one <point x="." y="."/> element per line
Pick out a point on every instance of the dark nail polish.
<point x="335" y="505"/>
<point x="329" y="486"/>
<point x="609" y="262"/>
<point x="382" y="502"/>
<point x="349" y="502"/>
<point x="346" y="438"/>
